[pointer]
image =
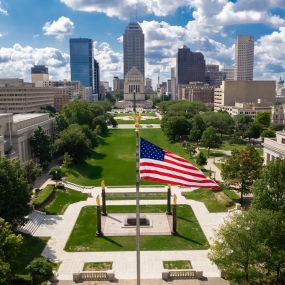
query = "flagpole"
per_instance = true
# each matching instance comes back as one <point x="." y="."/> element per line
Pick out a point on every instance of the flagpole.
<point x="137" y="125"/>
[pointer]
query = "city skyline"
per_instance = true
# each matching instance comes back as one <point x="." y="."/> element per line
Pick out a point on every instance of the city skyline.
<point x="211" y="28"/>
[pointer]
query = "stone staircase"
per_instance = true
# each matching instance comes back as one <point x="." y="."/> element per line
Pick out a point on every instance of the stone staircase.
<point x="35" y="219"/>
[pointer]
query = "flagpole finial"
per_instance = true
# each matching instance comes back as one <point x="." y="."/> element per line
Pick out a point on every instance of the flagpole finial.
<point x="174" y="199"/>
<point x="98" y="200"/>
<point x="103" y="184"/>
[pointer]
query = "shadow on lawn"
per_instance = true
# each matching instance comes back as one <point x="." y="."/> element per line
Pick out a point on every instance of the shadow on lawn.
<point x="112" y="241"/>
<point x="189" y="239"/>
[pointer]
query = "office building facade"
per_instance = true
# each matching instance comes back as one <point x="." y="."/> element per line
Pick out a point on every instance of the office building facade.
<point x="39" y="73"/>
<point x="244" y="58"/>
<point x="82" y="61"/>
<point x="190" y="66"/>
<point x="133" y="45"/>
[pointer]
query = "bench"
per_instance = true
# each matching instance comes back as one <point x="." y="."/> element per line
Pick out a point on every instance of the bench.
<point x="168" y="275"/>
<point x="93" y="276"/>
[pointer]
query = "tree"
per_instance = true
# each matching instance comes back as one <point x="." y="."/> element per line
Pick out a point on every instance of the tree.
<point x="253" y="131"/>
<point x="99" y="123"/>
<point x="56" y="173"/>
<point x="198" y="127"/>
<point x="32" y="171"/>
<point x="74" y="141"/>
<point x="15" y="192"/>
<point x="67" y="160"/>
<point x="263" y="119"/>
<point x="242" y="168"/>
<point x="40" y="270"/>
<point x="222" y="122"/>
<point x="201" y="159"/>
<point x="240" y="248"/>
<point x="175" y="127"/>
<point x="241" y="124"/>
<point x="269" y="189"/>
<point x="210" y="139"/>
<point x="41" y="146"/>
<point x="268" y="133"/>
<point x="61" y="123"/>
<point x="9" y="248"/>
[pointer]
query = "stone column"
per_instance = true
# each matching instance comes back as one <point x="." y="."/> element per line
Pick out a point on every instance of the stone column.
<point x="104" y="211"/>
<point x="168" y="211"/>
<point x="99" y="229"/>
<point x="174" y="222"/>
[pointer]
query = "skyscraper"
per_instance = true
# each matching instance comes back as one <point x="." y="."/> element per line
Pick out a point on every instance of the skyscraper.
<point x="244" y="54"/>
<point x="190" y="66"/>
<point x="39" y="73"/>
<point x="81" y="61"/>
<point x="133" y="48"/>
<point x="96" y="79"/>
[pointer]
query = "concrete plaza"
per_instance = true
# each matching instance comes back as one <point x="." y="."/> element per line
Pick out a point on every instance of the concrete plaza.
<point x="58" y="228"/>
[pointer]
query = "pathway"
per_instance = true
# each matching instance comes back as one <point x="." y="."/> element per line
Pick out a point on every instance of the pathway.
<point x="124" y="265"/>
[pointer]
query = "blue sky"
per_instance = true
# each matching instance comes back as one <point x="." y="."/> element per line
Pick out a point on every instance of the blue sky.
<point x="38" y="32"/>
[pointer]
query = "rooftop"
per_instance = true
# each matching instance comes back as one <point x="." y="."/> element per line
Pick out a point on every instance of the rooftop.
<point x="23" y="117"/>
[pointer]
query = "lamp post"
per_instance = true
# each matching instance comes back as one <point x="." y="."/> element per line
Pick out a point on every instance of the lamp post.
<point x="99" y="229"/>
<point x="104" y="212"/>
<point x="135" y="111"/>
<point x="174" y="222"/>
<point x="168" y="212"/>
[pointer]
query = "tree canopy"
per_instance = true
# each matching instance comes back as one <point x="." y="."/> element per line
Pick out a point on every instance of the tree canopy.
<point x="242" y="168"/>
<point x="210" y="139"/>
<point x="15" y="191"/>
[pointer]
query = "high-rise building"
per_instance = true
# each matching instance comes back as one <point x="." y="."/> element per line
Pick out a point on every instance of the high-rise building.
<point x="96" y="78"/>
<point x="244" y="55"/>
<point x="133" y="41"/>
<point x="39" y="73"/>
<point x="229" y="73"/>
<point x="190" y="66"/>
<point x="173" y="84"/>
<point x="81" y="61"/>
<point x="148" y="85"/>
<point x="214" y="76"/>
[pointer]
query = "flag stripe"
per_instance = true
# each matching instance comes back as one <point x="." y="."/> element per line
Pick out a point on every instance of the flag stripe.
<point x="195" y="172"/>
<point x="160" y="165"/>
<point x="172" y="175"/>
<point x="178" y="182"/>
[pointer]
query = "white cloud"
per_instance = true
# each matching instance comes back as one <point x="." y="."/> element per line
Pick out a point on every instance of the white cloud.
<point x="1" y="35"/>
<point x="3" y="11"/>
<point x="17" y="61"/>
<point x="59" y="28"/>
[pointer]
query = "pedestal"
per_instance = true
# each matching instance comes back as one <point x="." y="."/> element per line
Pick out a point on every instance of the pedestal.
<point x="174" y="222"/>
<point x="99" y="230"/>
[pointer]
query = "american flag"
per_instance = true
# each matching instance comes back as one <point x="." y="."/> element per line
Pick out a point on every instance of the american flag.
<point x="161" y="165"/>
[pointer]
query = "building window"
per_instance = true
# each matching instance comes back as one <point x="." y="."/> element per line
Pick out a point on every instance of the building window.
<point x="283" y="140"/>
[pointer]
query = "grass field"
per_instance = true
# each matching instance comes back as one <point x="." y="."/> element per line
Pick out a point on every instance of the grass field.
<point x="62" y="200"/>
<point x="114" y="159"/>
<point x="148" y="121"/>
<point x="215" y="201"/>
<point x="177" y="264"/>
<point x="83" y="238"/>
<point x="32" y="247"/>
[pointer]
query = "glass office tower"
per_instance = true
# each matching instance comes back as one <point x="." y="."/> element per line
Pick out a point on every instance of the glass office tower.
<point x="81" y="61"/>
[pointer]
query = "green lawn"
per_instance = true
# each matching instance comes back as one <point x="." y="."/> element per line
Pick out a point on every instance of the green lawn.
<point x="148" y="121"/>
<point x="63" y="199"/>
<point x="131" y="114"/>
<point x="83" y="238"/>
<point x="32" y="247"/>
<point x="114" y="159"/>
<point x="132" y="196"/>
<point x="215" y="201"/>
<point x="97" y="266"/>
<point x="43" y="195"/>
<point x="177" y="264"/>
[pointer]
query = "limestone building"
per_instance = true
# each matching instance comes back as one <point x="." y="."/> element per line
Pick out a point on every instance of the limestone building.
<point x="17" y="96"/>
<point x="134" y="83"/>
<point x="39" y="73"/>
<point x="257" y="91"/>
<point x="17" y="131"/>
<point x="274" y="147"/>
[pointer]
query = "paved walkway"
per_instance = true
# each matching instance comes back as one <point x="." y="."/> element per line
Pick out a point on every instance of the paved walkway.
<point x="124" y="263"/>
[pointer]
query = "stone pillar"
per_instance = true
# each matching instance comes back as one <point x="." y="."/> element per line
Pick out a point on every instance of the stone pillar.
<point x="174" y="220"/>
<point x="104" y="211"/>
<point x="168" y="211"/>
<point x="99" y="229"/>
